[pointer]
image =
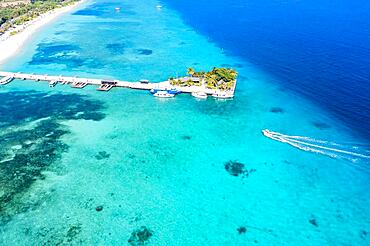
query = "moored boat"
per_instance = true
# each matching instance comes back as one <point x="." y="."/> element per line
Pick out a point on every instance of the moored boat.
<point x="170" y="91"/>
<point x="223" y="95"/>
<point x="163" y="94"/>
<point x="199" y="94"/>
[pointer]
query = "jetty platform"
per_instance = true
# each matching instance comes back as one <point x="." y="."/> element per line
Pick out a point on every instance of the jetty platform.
<point x="106" y="84"/>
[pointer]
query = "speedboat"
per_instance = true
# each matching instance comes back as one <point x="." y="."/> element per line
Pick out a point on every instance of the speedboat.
<point x="199" y="94"/>
<point x="267" y="133"/>
<point x="158" y="6"/>
<point x="53" y="83"/>
<point x="223" y="95"/>
<point x="163" y="94"/>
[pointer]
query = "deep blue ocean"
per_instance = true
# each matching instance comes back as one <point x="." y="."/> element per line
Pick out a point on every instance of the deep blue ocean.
<point x="320" y="49"/>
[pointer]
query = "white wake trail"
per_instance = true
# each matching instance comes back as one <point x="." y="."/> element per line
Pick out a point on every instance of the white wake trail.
<point x="331" y="149"/>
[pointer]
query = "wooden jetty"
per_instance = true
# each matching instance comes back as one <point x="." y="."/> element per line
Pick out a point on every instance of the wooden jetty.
<point x="106" y="85"/>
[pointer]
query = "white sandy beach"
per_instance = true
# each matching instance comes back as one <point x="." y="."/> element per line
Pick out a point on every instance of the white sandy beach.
<point x="11" y="44"/>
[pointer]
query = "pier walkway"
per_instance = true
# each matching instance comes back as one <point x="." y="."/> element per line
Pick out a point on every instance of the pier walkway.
<point x="105" y="85"/>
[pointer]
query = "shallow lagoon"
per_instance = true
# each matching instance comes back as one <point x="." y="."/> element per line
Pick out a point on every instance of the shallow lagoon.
<point x="123" y="160"/>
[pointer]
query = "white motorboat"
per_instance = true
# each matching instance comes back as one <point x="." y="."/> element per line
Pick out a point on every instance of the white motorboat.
<point x="222" y="95"/>
<point x="163" y="94"/>
<point x="266" y="132"/>
<point x="199" y="94"/>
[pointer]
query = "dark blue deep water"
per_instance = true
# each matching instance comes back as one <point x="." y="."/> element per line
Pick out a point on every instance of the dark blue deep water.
<point x="319" y="48"/>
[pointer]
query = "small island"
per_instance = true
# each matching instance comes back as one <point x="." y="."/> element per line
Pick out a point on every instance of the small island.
<point x="223" y="79"/>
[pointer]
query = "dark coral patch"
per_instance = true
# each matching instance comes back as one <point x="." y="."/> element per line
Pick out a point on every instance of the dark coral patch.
<point x="102" y="155"/>
<point x="235" y="168"/>
<point x="72" y="232"/>
<point x="146" y="52"/>
<point x="320" y="125"/>
<point x="30" y="140"/>
<point x="276" y="110"/>
<point x="313" y="221"/>
<point x="65" y="235"/>
<point x="99" y="208"/>
<point x="363" y="234"/>
<point x="140" y="236"/>
<point x="186" y="137"/>
<point x="63" y="54"/>
<point x="60" y="53"/>
<point x="242" y="230"/>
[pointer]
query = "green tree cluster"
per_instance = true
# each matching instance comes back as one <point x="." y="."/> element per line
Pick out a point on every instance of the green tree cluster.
<point x="217" y="78"/>
<point x="11" y="16"/>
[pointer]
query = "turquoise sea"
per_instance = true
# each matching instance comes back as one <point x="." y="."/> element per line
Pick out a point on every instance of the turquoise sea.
<point x="82" y="167"/>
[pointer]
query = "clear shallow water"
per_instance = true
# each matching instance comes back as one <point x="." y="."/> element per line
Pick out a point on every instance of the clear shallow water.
<point x="161" y="163"/>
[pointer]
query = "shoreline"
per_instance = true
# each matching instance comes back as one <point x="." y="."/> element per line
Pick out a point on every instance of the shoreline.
<point x="12" y="44"/>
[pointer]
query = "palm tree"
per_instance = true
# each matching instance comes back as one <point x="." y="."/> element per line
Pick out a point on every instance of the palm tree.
<point x="191" y="71"/>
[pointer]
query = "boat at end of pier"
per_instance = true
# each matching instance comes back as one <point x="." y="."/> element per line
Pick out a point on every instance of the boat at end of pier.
<point x="222" y="95"/>
<point x="163" y="94"/>
<point x="199" y="95"/>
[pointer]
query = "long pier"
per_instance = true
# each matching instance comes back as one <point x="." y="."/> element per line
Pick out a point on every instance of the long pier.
<point x="107" y="84"/>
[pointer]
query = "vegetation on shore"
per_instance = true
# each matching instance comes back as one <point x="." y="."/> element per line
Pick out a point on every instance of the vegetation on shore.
<point x="218" y="78"/>
<point x="14" y="13"/>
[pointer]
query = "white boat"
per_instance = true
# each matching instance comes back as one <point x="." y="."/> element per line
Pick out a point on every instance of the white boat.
<point x="223" y="95"/>
<point x="267" y="133"/>
<point x="199" y="94"/>
<point x="163" y="94"/>
<point x="53" y="83"/>
<point x="159" y="6"/>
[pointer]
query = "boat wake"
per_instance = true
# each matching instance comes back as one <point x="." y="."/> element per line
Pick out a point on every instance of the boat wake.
<point x="350" y="151"/>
